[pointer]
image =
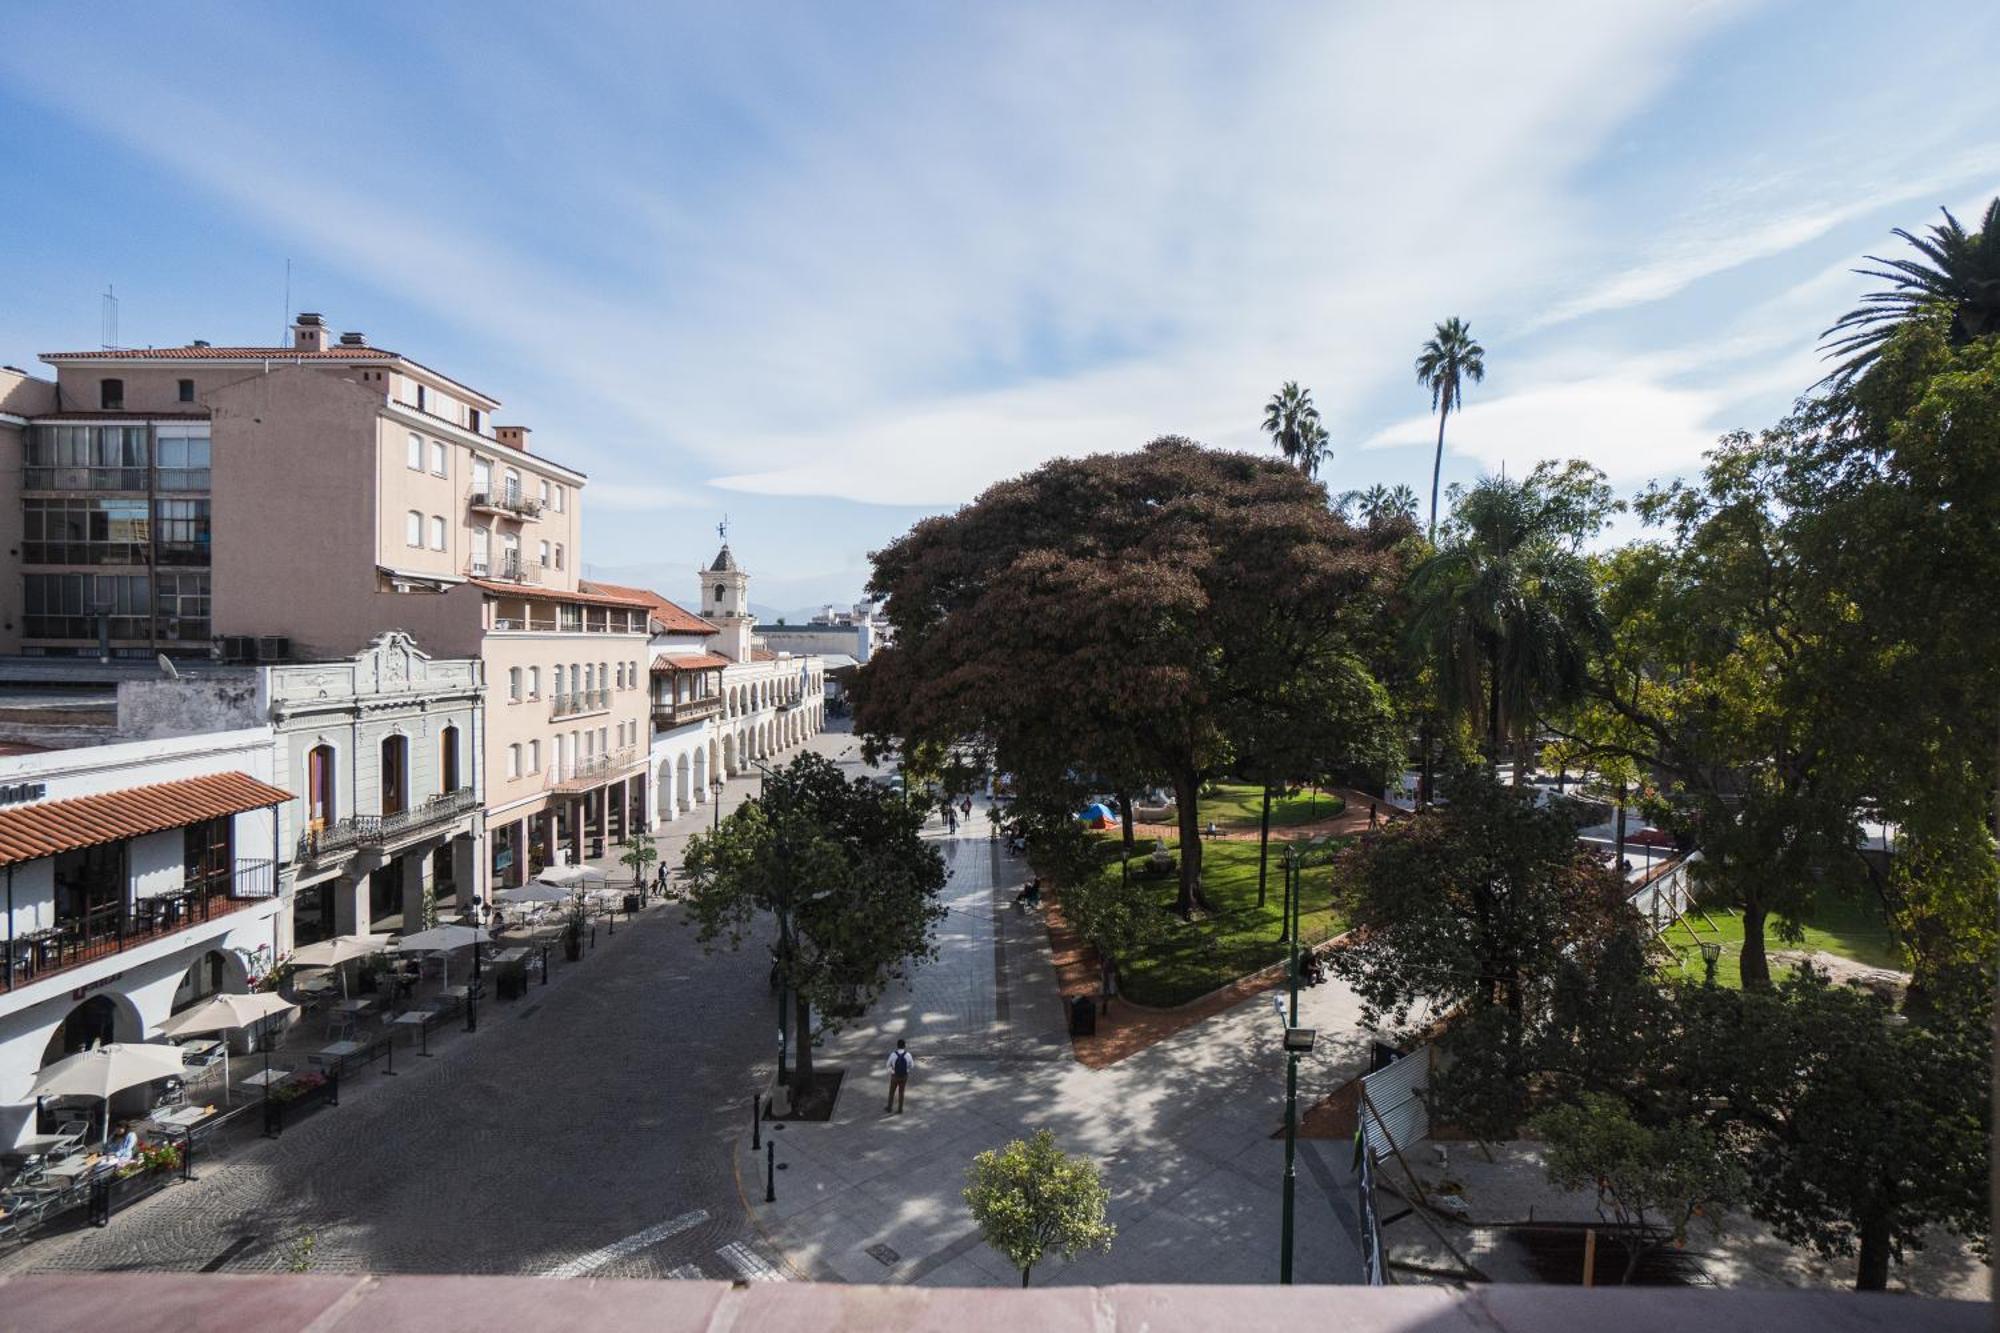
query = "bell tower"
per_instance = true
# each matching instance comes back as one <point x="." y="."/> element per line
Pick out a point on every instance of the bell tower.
<point x="725" y="600"/>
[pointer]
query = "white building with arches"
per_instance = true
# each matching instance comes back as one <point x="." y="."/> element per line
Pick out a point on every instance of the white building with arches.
<point x="722" y="702"/>
<point x="139" y="878"/>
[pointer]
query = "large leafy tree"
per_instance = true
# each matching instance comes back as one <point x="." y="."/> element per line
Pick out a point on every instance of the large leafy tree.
<point x="1956" y="282"/>
<point x="1506" y="609"/>
<point x="1473" y="906"/>
<point x="1130" y="613"/>
<point x="1031" y="1198"/>
<point x="1448" y="360"/>
<point x="848" y="882"/>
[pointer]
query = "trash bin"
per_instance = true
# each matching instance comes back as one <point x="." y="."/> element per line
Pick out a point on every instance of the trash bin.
<point x="631" y="903"/>
<point x="1082" y="1017"/>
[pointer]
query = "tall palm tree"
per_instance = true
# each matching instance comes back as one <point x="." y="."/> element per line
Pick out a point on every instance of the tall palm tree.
<point x="1315" y="449"/>
<point x="1292" y="422"/>
<point x="1380" y="504"/>
<point x="1446" y="362"/>
<point x="1507" y="610"/>
<point x="1962" y="277"/>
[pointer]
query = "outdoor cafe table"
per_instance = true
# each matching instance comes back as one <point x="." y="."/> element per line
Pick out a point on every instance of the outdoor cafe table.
<point x="334" y="1054"/>
<point x="356" y="1007"/>
<point x="181" y="1117"/>
<point x="73" y="1169"/>
<point x="421" y="1021"/>
<point x="268" y="1078"/>
<point x="201" y="1053"/>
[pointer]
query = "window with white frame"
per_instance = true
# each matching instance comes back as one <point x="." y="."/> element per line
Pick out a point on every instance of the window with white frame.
<point x="534" y="756"/>
<point x="513" y="761"/>
<point x="415" y="459"/>
<point x="545" y="555"/>
<point x="439" y="463"/>
<point x="437" y="532"/>
<point x="544" y="496"/>
<point x="534" y="682"/>
<point x="558" y="499"/>
<point x="558" y="555"/>
<point x="413" y="528"/>
<point x="558" y="678"/>
<point x="482" y="476"/>
<point x="514" y="683"/>
<point x="482" y="550"/>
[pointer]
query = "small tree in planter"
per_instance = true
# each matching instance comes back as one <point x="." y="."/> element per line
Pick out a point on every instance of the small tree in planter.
<point x="639" y="853"/>
<point x="1031" y="1197"/>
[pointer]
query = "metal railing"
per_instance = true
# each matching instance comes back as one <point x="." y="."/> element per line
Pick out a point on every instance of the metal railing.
<point x="506" y="500"/>
<point x="672" y="713"/>
<point x="86" y="936"/>
<point x="578" y="702"/>
<point x="509" y="568"/>
<point x="358" y="831"/>
<point x="587" y="773"/>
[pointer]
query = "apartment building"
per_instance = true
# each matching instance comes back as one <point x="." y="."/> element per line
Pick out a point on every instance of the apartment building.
<point x="295" y="502"/>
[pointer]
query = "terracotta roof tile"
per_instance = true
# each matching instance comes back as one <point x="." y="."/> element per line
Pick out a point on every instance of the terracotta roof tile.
<point x="689" y="662"/>
<point x="226" y="354"/>
<point x="762" y="655"/>
<point x="31" y="831"/>
<point x="673" y="618"/>
<point x="534" y="594"/>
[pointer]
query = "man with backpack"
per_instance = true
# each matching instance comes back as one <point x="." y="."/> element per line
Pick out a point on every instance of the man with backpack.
<point x="900" y="1064"/>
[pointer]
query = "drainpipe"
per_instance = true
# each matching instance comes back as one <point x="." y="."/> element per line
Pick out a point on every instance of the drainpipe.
<point x="10" y="925"/>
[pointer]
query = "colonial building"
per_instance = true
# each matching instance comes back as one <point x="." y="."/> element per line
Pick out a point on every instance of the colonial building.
<point x="383" y="752"/>
<point x="139" y="879"/>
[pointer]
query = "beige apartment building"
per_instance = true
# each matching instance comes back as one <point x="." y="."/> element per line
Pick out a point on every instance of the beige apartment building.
<point x="295" y="502"/>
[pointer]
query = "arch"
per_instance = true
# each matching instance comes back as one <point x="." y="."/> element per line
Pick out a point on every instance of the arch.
<point x="684" y="783"/>
<point x="663" y="798"/>
<point x="104" y="1017"/>
<point x="215" y="972"/>
<point x="729" y="748"/>
<point x="701" y="773"/>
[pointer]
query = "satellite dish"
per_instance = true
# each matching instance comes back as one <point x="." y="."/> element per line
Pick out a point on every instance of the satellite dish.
<point x="167" y="667"/>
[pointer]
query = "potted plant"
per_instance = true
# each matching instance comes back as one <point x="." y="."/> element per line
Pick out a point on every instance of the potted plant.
<point x="576" y="920"/>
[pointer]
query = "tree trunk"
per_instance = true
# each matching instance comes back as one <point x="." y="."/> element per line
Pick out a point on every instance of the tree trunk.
<point x="1756" y="968"/>
<point x="1264" y="842"/>
<point x="1872" y="1272"/>
<point x="1618" y="834"/>
<point x="1125" y="816"/>
<point x="1437" y="470"/>
<point x="1026" y="1269"/>
<point x="802" y="1050"/>
<point x="1187" y="800"/>
<point x="1424" y="773"/>
<point x="1493" y="750"/>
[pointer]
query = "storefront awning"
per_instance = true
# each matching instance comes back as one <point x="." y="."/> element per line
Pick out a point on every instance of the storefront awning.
<point x="32" y="831"/>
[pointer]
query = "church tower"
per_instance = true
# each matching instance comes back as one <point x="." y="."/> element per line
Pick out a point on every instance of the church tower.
<point x="725" y="601"/>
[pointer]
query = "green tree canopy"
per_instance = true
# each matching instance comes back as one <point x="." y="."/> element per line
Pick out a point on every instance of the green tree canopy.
<point x="841" y="868"/>
<point x="1030" y="1198"/>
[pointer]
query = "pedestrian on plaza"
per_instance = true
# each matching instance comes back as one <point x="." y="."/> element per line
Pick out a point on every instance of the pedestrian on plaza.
<point x="901" y="1062"/>
<point x="1373" y="813"/>
<point x="660" y="878"/>
<point x="950" y="819"/>
<point x="965" y="807"/>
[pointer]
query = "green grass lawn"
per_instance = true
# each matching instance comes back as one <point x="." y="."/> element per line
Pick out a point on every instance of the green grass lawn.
<point x="1843" y="927"/>
<point x="1195" y="958"/>
<point x="1241" y="804"/>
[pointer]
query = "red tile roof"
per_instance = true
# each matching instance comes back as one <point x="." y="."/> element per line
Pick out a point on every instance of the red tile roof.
<point x="227" y="354"/>
<point x="762" y="655"/>
<point x="31" y="831"/>
<point x="689" y="662"/>
<point x="534" y="594"/>
<point x="671" y="617"/>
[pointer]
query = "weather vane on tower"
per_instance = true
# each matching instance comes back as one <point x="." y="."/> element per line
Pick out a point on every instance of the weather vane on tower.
<point x="722" y="529"/>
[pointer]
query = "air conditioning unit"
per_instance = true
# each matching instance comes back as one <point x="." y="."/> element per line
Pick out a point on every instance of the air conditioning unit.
<point x="273" y="648"/>
<point x="239" y="648"/>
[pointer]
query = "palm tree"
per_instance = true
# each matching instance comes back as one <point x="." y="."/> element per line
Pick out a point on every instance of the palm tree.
<point x="1380" y="504"/>
<point x="1314" y="449"/>
<point x="1447" y="361"/>
<point x="1292" y="422"/>
<point x="1962" y="277"/>
<point x="1507" y="611"/>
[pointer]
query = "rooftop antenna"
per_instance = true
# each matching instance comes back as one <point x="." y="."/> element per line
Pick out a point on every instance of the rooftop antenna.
<point x="108" y="319"/>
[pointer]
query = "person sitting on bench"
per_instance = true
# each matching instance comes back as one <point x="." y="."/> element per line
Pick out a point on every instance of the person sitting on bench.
<point x="1030" y="894"/>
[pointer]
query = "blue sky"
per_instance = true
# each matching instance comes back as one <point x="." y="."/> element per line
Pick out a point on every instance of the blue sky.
<point x="830" y="268"/>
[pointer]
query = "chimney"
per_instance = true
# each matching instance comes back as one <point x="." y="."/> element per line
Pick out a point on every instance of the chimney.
<point x="199" y="342"/>
<point x="353" y="340"/>
<point x="309" y="333"/>
<point x="514" y="437"/>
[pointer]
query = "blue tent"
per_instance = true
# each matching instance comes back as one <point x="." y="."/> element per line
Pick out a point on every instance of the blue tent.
<point x="1098" y="815"/>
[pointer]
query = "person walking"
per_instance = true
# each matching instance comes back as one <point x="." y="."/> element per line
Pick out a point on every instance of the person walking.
<point x="900" y="1064"/>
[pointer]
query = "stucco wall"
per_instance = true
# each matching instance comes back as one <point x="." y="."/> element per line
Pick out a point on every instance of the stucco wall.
<point x="150" y="708"/>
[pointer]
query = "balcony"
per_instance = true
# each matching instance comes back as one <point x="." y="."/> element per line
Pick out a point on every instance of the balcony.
<point x="578" y="703"/>
<point x="508" y="568"/>
<point x="593" y="772"/>
<point x="675" y="713"/>
<point x="75" y="940"/>
<point x="505" y="502"/>
<point x="374" y="832"/>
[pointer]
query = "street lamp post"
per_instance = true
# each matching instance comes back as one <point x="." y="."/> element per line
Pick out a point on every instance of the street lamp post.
<point x="472" y="991"/>
<point x="1711" y="953"/>
<point x="1291" y="1067"/>
<point x="716" y="785"/>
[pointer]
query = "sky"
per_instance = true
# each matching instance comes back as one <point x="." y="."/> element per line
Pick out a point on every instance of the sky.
<point x="828" y="269"/>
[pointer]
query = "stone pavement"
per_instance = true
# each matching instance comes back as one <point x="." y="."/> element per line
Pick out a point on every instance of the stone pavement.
<point x="1183" y="1130"/>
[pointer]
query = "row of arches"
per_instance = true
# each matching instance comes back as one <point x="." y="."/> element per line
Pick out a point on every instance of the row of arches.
<point x="684" y="780"/>
<point x="756" y="695"/>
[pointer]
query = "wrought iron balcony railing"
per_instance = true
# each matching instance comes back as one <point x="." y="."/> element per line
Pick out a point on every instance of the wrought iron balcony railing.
<point x="371" y="831"/>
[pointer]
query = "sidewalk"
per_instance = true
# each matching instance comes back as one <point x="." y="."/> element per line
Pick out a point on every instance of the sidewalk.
<point x="1184" y="1130"/>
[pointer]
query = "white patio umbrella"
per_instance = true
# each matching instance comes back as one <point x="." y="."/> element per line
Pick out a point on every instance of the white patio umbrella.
<point x="104" y="1070"/>
<point x="339" y="950"/>
<point x="443" y="939"/>
<point x="569" y="877"/>
<point x="537" y="892"/>
<point x="227" y="1013"/>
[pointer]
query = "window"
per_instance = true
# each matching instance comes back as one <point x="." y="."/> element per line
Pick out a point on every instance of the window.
<point x="510" y="555"/>
<point x="514" y="684"/>
<point x="558" y="679"/>
<point x="437" y="532"/>
<point x="589" y="677"/>
<point x="180" y="529"/>
<point x="111" y="395"/>
<point x="534" y="756"/>
<point x="321" y="803"/>
<point x="206" y="863"/>
<point x="545" y="555"/>
<point x="67" y="606"/>
<point x="558" y="555"/>
<point x="84" y="532"/>
<point x="395" y="774"/>
<point x="187" y="391"/>
<point x="604" y="740"/>
<point x="94" y="458"/>
<point x="718" y="594"/>
<point x="482" y="476"/>
<point x="414" y="460"/>
<point x="183" y="457"/>
<point x="511" y="487"/>
<point x="423" y="399"/>
<point x="534" y="682"/>
<point x="181" y="606"/>
<point x="472" y="420"/>
<point x="558" y="499"/>
<point x="439" y="460"/>
<point x="481" y="551"/>
<point x="448" y="759"/>
<point x="544" y="492"/>
<point x="513" y="761"/>
<point x="413" y="528"/>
